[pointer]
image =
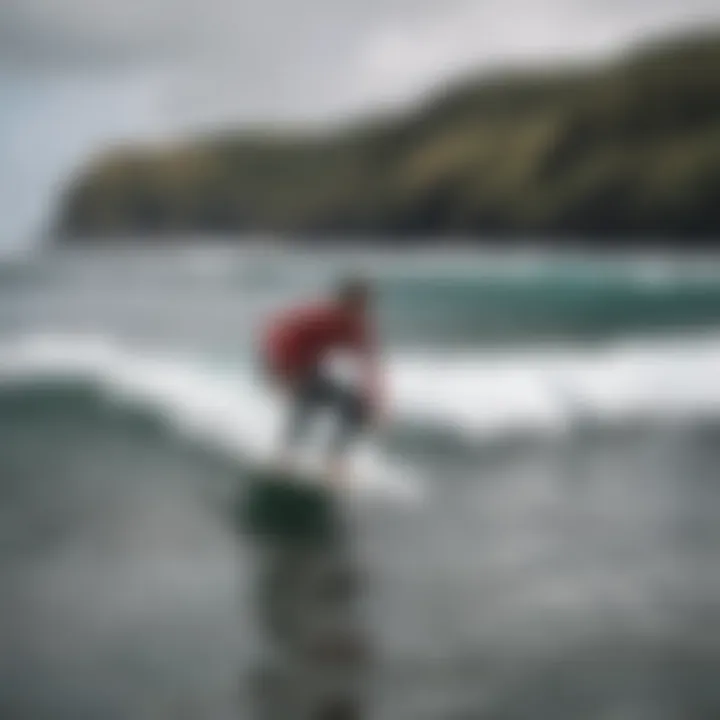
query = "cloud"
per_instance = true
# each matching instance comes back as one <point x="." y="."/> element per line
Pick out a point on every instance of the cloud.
<point x="404" y="58"/>
<point x="83" y="33"/>
<point x="219" y="60"/>
<point x="226" y="60"/>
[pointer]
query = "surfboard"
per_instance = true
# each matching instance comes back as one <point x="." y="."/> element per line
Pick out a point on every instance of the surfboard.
<point x="373" y="473"/>
<point x="372" y="476"/>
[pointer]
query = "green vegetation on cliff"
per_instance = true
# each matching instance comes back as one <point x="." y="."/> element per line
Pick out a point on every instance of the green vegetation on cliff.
<point x="630" y="149"/>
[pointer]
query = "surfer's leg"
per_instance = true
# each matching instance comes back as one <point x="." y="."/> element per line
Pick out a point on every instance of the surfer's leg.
<point x="307" y="398"/>
<point x="303" y="403"/>
<point x="351" y="420"/>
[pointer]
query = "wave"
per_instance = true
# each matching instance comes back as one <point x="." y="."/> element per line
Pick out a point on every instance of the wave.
<point x="481" y="397"/>
<point x="223" y="409"/>
<point x="490" y="395"/>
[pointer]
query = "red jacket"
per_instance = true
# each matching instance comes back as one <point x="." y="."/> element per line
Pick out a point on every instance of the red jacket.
<point x="295" y="342"/>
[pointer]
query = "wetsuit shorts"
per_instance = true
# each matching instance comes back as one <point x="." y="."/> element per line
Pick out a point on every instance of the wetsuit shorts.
<point x="315" y="393"/>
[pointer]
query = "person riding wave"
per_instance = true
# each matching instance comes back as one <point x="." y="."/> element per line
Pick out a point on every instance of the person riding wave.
<point x="297" y="349"/>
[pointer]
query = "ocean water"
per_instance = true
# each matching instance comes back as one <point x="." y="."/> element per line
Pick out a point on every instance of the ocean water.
<point x="539" y="518"/>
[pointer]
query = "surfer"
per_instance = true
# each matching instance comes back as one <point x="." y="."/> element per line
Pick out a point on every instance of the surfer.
<point x="297" y="351"/>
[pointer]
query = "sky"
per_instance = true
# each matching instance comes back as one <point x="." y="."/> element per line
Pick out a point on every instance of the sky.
<point x="79" y="76"/>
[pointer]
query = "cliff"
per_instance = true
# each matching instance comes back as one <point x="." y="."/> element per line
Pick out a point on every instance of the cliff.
<point x="630" y="149"/>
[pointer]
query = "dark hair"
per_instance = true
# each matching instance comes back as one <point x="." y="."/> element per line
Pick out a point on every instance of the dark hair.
<point x="353" y="289"/>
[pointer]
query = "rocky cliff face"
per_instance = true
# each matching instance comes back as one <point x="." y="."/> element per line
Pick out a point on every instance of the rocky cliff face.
<point x="629" y="150"/>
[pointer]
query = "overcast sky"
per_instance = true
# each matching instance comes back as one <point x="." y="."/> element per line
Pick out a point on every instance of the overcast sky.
<point x="78" y="75"/>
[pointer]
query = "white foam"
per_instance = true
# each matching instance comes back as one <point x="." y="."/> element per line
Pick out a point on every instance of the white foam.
<point x="225" y="409"/>
<point x="483" y="396"/>
<point x="486" y="396"/>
